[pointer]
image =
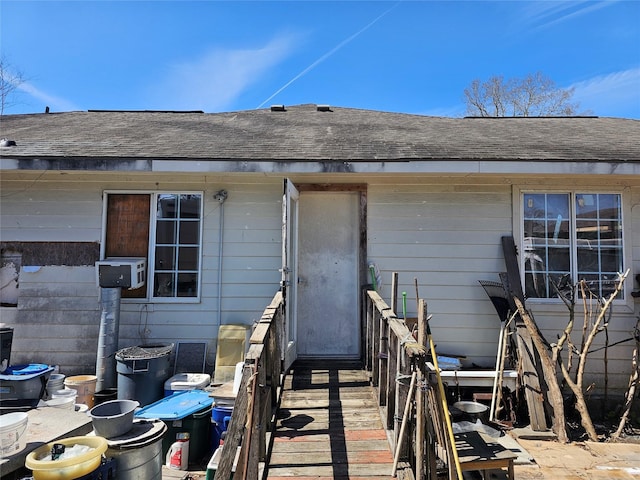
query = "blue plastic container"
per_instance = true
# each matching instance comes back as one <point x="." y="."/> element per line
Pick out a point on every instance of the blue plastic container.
<point x="186" y="411"/>
<point x="220" y="416"/>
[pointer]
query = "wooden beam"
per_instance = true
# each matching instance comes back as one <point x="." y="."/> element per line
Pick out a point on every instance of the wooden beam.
<point x="531" y="371"/>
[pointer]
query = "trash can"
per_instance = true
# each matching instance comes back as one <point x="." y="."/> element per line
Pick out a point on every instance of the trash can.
<point x="220" y="418"/>
<point x="142" y="371"/>
<point x="6" y="339"/>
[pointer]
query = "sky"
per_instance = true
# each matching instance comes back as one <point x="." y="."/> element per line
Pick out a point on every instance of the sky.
<point x="405" y="56"/>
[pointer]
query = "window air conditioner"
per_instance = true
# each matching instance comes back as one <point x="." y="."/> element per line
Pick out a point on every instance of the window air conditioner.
<point x="123" y="272"/>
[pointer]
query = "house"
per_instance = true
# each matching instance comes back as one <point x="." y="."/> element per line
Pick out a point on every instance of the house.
<point x="201" y="197"/>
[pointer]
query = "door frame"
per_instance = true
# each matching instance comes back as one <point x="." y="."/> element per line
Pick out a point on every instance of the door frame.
<point x="361" y="189"/>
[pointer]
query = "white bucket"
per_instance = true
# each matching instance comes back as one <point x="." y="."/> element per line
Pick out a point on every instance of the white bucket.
<point x="68" y="403"/>
<point x="55" y="383"/>
<point x="67" y="393"/>
<point x="13" y="428"/>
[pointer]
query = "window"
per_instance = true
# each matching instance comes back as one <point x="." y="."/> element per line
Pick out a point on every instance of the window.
<point x="572" y="236"/>
<point x="177" y="245"/>
<point x="166" y="229"/>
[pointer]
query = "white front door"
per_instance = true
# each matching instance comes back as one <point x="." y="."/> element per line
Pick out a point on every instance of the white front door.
<point x="289" y="281"/>
<point x="328" y="324"/>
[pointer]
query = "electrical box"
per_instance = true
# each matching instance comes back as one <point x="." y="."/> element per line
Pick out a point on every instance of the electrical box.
<point x="123" y="272"/>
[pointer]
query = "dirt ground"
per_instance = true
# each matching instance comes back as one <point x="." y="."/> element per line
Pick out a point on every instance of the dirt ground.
<point x="580" y="460"/>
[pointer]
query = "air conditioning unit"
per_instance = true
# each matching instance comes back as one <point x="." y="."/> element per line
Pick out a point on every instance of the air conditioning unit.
<point x="123" y="272"/>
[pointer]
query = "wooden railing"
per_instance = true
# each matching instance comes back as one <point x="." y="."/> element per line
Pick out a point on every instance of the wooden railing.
<point x="400" y="371"/>
<point x="257" y="400"/>
<point x="412" y="405"/>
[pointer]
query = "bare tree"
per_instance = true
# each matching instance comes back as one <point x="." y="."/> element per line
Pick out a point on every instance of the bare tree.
<point x="533" y="96"/>
<point x="10" y="80"/>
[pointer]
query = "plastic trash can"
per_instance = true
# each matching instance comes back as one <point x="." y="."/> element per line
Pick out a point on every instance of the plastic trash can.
<point x="142" y="371"/>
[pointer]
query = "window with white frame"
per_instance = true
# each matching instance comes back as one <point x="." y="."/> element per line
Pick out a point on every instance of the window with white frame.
<point x="176" y="268"/>
<point x="164" y="227"/>
<point x="571" y="236"/>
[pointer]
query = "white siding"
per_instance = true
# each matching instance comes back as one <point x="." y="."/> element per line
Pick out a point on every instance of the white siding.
<point x="58" y="315"/>
<point x="444" y="232"/>
<point x="449" y="238"/>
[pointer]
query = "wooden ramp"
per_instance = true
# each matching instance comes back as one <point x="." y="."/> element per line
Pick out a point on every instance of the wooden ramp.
<point x="329" y="426"/>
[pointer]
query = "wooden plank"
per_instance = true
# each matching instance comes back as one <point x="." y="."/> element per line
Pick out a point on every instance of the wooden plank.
<point x="531" y="372"/>
<point x="329" y="426"/>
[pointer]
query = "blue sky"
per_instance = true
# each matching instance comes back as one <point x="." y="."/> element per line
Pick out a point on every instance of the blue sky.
<point x="407" y="56"/>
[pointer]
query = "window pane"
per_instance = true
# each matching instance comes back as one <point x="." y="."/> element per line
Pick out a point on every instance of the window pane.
<point x="188" y="258"/>
<point x="166" y="231"/>
<point x="187" y="285"/>
<point x="189" y="232"/>
<point x="163" y="285"/>
<point x="165" y="258"/>
<point x="167" y="206"/>
<point x="189" y="206"/>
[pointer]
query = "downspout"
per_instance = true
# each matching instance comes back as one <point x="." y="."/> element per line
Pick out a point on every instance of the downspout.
<point x="221" y="196"/>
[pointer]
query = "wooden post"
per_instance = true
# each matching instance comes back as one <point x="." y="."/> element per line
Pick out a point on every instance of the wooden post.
<point x="531" y="371"/>
<point x="420" y="404"/>
<point x="236" y="428"/>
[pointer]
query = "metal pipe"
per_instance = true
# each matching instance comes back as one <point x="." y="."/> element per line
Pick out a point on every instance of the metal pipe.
<point x="108" y="338"/>
<point x="221" y="196"/>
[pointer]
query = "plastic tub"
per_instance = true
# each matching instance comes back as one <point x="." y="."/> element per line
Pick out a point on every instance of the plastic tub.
<point x="188" y="411"/>
<point x="13" y="427"/>
<point x="74" y="467"/>
<point x="85" y="386"/>
<point x="24" y="385"/>
<point x="67" y="403"/>
<point x="65" y="393"/>
<point x="55" y="383"/>
<point x="113" y="418"/>
<point x="186" y="381"/>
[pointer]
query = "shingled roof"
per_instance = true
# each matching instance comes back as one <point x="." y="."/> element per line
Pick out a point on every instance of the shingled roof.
<point x="305" y="133"/>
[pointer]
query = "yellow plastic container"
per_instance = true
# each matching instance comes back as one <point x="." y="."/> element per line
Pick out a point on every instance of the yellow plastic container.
<point x="75" y="467"/>
<point x="85" y="385"/>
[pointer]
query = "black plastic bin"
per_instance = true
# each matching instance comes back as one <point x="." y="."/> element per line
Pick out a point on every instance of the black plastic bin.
<point x="6" y="339"/>
<point x="142" y="371"/>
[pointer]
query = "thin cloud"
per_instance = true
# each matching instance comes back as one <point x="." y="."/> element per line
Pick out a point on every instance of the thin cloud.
<point x="53" y="102"/>
<point x="612" y="92"/>
<point x="214" y="81"/>
<point x="541" y="15"/>
<point x="329" y="53"/>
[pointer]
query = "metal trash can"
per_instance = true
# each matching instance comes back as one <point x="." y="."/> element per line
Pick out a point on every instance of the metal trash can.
<point x="142" y="371"/>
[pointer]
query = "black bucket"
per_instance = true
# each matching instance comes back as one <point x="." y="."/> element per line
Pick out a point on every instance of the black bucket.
<point x="6" y="339"/>
<point x="105" y="395"/>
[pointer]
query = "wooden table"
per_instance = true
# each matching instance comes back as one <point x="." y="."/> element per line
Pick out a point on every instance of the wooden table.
<point x="479" y="452"/>
<point x="45" y="425"/>
<point x="477" y="378"/>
